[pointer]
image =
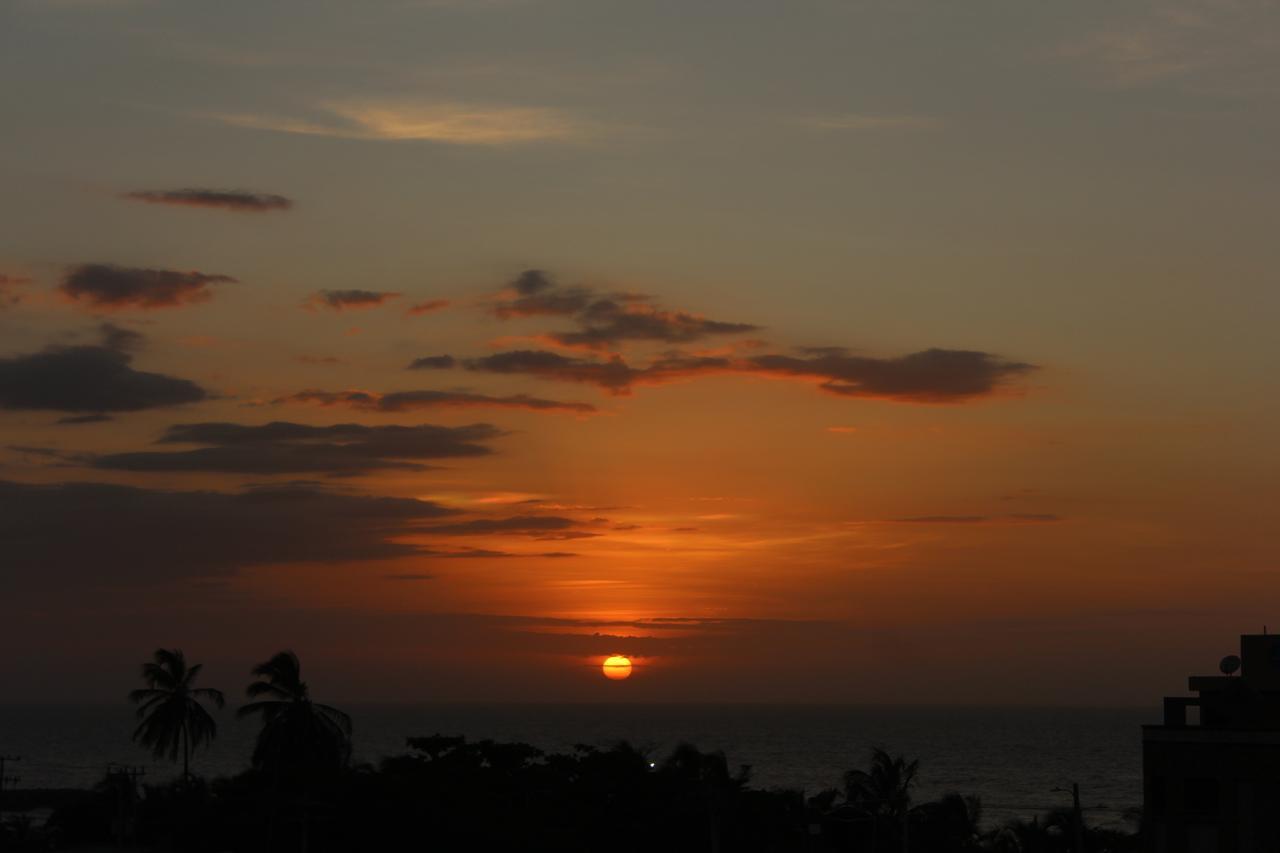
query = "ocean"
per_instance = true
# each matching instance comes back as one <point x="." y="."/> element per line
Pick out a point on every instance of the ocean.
<point x="1020" y="761"/>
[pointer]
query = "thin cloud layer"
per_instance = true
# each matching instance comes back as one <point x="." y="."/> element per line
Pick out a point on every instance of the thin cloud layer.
<point x="539" y="526"/>
<point x="90" y="378"/>
<point x="448" y="123"/>
<point x="110" y="534"/>
<point x="109" y="287"/>
<point x="429" y="306"/>
<point x="238" y="201"/>
<point x="1010" y="518"/>
<point x="403" y="401"/>
<point x="349" y="300"/>
<point x="604" y="320"/>
<point x="11" y="289"/>
<point x="433" y="362"/>
<point x="866" y="122"/>
<point x="282" y="447"/>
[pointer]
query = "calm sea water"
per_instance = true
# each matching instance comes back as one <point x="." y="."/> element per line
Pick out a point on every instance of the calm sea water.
<point x="1013" y="758"/>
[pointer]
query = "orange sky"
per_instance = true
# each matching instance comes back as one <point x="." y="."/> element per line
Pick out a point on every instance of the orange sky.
<point x="865" y="353"/>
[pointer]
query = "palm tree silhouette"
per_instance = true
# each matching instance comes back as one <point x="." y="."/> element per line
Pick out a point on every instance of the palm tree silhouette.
<point x="297" y="733"/>
<point x="884" y="791"/>
<point x="173" y="718"/>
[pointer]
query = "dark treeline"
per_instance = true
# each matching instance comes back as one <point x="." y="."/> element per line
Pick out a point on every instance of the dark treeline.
<point x="303" y="793"/>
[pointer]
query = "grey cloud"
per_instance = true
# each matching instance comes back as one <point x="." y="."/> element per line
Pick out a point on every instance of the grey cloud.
<point x="433" y="362"/>
<point x="929" y="376"/>
<point x="605" y="320"/>
<point x="90" y="378"/>
<point x="345" y="300"/>
<point x="110" y="534"/>
<point x="403" y="401"/>
<point x="112" y="287"/>
<point x="239" y="201"/>
<point x="282" y="447"/>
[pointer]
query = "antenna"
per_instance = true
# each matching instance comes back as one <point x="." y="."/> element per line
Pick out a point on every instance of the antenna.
<point x="1229" y="665"/>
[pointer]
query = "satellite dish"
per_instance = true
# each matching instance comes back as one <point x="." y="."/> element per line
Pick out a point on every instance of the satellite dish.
<point x="1229" y="665"/>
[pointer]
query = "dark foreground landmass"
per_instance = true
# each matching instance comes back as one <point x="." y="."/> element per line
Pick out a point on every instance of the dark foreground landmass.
<point x="448" y="794"/>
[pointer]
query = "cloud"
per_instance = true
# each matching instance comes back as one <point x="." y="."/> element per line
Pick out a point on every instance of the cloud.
<point x="929" y="376"/>
<point x="10" y="289"/>
<point x="403" y="401"/>
<point x="119" y="338"/>
<point x="1222" y="47"/>
<point x="433" y="362"/>
<point x="109" y="287"/>
<point x="863" y="122"/>
<point x="1014" y="518"/>
<point x="90" y="378"/>
<point x="614" y="376"/>
<point x="541" y="526"/>
<point x="429" y="306"/>
<point x="607" y="322"/>
<point x="447" y="123"/>
<point x="109" y="534"/>
<point x="347" y="300"/>
<point x="239" y="201"/>
<point x="604" y="320"/>
<point x="282" y="447"/>
<point x="75" y="420"/>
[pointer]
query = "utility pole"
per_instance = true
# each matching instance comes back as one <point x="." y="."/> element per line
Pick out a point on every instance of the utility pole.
<point x="1077" y="817"/>
<point x="126" y="787"/>
<point x="4" y="780"/>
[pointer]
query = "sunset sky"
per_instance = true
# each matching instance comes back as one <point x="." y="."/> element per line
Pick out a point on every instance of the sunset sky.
<point x="810" y="351"/>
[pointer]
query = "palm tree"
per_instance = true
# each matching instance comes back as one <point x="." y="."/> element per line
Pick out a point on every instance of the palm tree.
<point x="884" y="791"/>
<point x="173" y="718"/>
<point x="297" y="733"/>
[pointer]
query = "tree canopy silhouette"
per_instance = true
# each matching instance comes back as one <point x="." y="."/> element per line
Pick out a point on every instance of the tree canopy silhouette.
<point x="173" y="717"/>
<point x="297" y="733"/>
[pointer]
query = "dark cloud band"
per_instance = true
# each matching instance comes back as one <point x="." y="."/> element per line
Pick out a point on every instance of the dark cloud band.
<point x="90" y="378"/>
<point x="282" y="447"/>
<point x="404" y="401"/>
<point x="929" y="376"/>
<point x="238" y="201"/>
<point x="109" y="287"/>
<point x="349" y="300"/>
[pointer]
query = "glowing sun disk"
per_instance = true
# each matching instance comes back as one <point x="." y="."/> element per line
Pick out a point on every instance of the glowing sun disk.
<point x="616" y="667"/>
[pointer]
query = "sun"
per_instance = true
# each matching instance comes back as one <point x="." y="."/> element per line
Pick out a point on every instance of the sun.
<point x="616" y="667"/>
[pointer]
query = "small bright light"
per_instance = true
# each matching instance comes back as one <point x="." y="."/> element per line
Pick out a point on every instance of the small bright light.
<point x="652" y="765"/>
<point x="616" y="667"/>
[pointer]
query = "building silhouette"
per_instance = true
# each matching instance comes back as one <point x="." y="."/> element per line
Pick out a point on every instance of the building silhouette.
<point x="1211" y="771"/>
